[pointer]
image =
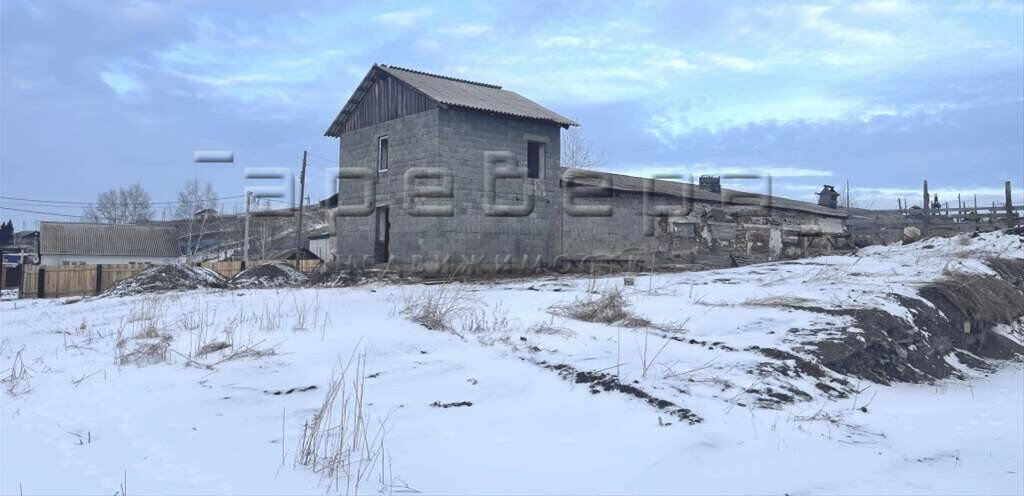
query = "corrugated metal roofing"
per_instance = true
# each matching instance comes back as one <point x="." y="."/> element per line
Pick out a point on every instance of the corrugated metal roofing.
<point x="456" y="93"/>
<point x="79" y="238"/>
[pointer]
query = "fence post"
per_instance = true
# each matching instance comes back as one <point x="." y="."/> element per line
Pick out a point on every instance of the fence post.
<point x="41" y="283"/>
<point x="1009" y="207"/>
<point x="99" y="278"/>
<point x="926" y="209"/>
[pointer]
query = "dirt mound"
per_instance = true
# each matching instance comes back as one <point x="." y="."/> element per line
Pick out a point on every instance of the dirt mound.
<point x="274" y="275"/>
<point x="167" y="278"/>
<point x="955" y="316"/>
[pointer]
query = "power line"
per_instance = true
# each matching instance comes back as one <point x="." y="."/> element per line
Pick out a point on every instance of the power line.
<point x="93" y="203"/>
<point x="38" y="212"/>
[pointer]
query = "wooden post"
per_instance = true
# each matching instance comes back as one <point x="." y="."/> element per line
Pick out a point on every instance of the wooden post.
<point x="245" y="249"/>
<point x="1010" y="222"/>
<point x="41" y="283"/>
<point x="926" y="210"/>
<point x="99" y="278"/>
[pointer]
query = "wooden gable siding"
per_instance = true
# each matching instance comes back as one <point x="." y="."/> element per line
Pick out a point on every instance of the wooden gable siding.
<point x="388" y="98"/>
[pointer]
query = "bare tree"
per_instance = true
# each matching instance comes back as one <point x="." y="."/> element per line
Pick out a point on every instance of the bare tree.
<point x="855" y="200"/>
<point x="129" y="205"/>
<point x="578" y="151"/>
<point x="196" y="203"/>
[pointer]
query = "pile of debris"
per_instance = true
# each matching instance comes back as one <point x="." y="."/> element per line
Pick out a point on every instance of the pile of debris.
<point x="160" y="278"/>
<point x="274" y="275"/>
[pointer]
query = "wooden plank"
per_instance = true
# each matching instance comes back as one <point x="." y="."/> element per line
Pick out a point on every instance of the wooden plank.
<point x="29" y="278"/>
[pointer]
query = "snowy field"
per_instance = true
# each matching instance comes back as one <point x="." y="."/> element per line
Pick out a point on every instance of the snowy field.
<point x="210" y="391"/>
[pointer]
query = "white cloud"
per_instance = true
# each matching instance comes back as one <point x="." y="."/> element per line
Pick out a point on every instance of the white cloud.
<point x="733" y="62"/>
<point x="887" y="7"/>
<point x="813" y="18"/>
<point x="403" y="18"/>
<point x="696" y="170"/>
<point x="427" y="44"/>
<point x="718" y="113"/>
<point x="122" y="82"/>
<point x="465" y="29"/>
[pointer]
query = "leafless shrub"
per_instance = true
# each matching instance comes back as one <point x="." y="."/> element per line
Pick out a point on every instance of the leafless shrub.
<point x="436" y="309"/>
<point x="342" y="442"/>
<point x="16" y="380"/>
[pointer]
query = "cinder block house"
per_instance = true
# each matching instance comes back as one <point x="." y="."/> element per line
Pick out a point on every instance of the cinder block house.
<point x="399" y="119"/>
<point x="415" y="191"/>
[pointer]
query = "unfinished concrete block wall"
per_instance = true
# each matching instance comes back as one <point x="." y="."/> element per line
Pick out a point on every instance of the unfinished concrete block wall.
<point x="709" y="234"/>
<point x="412" y="142"/>
<point x="454" y="140"/>
<point x="470" y="232"/>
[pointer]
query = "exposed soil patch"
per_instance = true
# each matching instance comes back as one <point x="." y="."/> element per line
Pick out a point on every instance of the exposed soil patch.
<point x="599" y="382"/>
<point x="454" y="404"/>
<point x="275" y="275"/>
<point x="279" y="392"/>
<point x="957" y="315"/>
<point x="159" y="278"/>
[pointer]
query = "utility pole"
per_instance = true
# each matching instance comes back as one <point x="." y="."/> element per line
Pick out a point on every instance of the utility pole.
<point x="245" y="256"/>
<point x="302" y="192"/>
<point x="847" y="195"/>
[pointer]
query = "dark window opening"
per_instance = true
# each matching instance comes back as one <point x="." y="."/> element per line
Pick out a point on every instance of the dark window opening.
<point x="382" y="153"/>
<point x="534" y="158"/>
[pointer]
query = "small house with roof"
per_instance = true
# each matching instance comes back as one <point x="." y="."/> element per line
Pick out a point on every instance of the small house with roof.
<point x="82" y="243"/>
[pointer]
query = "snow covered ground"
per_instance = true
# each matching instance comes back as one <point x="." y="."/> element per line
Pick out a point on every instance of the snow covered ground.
<point x="136" y="394"/>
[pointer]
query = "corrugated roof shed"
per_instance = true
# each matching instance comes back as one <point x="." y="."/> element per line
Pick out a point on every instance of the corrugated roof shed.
<point x="453" y="92"/>
<point x="79" y="238"/>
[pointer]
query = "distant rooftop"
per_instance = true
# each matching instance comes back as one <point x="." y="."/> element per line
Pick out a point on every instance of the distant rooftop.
<point x="81" y="238"/>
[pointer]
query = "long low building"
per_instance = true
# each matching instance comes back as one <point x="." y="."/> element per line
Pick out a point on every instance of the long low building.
<point x="80" y="243"/>
<point x="438" y="171"/>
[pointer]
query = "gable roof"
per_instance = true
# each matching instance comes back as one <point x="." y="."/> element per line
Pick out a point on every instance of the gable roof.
<point x="454" y="92"/>
<point x="80" y="238"/>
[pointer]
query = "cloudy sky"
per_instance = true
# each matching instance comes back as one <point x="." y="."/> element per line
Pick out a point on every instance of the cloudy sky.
<point x="882" y="93"/>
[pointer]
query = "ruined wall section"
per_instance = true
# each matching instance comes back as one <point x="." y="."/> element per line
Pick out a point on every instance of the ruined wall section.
<point x="703" y="233"/>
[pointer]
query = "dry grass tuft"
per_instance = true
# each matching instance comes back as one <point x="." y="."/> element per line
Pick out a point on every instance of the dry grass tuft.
<point x="436" y="309"/>
<point x="16" y="381"/>
<point x="342" y="442"/>
<point x="487" y="321"/>
<point x="607" y="307"/>
<point x="550" y="329"/>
